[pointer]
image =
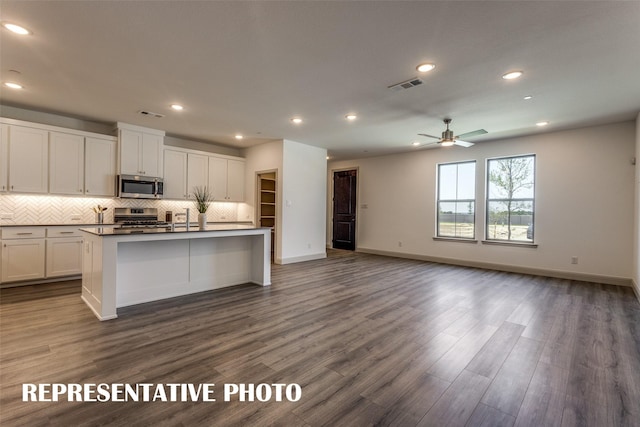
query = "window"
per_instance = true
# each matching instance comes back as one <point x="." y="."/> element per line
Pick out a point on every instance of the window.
<point x="510" y="198"/>
<point x="457" y="200"/>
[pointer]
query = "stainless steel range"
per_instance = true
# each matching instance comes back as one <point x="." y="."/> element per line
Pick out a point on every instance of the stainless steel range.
<point x="138" y="218"/>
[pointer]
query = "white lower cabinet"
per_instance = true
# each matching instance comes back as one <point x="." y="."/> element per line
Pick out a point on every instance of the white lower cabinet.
<point x="64" y="256"/>
<point x="23" y="252"/>
<point x="32" y="253"/>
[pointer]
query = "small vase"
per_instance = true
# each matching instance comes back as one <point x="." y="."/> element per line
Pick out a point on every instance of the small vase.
<point x="202" y="220"/>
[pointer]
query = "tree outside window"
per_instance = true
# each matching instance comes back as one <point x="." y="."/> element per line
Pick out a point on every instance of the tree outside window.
<point x="510" y="198"/>
<point x="456" y="200"/>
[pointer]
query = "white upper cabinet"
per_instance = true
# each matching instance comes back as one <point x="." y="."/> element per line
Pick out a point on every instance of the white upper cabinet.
<point x="235" y="180"/>
<point x="28" y="159"/>
<point x="38" y="158"/>
<point x="66" y="163"/>
<point x="175" y="174"/>
<point x="4" y="157"/>
<point x="151" y="157"/>
<point x="141" y="150"/>
<point x="100" y="167"/>
<point x="218" y="178"/>
<point x="197" y="172"/>
<point x="79" y="165"/>
<point x="226" y="179"/>
<point x="130" y="152"/>
<point x="186" y="169"/>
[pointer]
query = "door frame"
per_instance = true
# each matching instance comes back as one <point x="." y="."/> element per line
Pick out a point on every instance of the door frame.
<point x="331" y="195"/>
<point x="278" y="223"/>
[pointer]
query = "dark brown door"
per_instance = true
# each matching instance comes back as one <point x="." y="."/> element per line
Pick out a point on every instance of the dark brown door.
<point x="344" y="209"/>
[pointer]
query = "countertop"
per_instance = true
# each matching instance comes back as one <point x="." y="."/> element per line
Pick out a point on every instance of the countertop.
<point x="90" y="224"/>
<point x="104" y="231"/>
<point x="111" y="224"/>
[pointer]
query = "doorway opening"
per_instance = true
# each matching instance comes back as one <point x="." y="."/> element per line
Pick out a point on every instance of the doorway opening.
<point x="344" y="209"/>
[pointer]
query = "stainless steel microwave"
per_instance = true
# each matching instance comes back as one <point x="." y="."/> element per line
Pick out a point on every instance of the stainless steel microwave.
<point x="140" y="187"/>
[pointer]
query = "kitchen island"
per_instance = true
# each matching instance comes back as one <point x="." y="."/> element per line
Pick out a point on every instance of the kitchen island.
<point x="126" y="267"/>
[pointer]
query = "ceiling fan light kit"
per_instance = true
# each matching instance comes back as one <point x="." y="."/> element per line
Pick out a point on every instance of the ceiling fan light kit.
<point x="447" y="139"/>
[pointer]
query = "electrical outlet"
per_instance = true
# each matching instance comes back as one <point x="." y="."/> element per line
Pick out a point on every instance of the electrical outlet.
<point x="223" y="217"/>
<point x="574" y="260"/>
<point x="76" y="217"/>
<point x="6" y="216"/>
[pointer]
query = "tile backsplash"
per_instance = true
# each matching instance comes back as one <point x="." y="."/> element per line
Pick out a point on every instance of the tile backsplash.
<point x="47" y="209"/>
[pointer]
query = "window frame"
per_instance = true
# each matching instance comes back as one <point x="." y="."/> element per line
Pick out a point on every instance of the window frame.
<point x="439" y="200"/>
<point x="488" y="201"/>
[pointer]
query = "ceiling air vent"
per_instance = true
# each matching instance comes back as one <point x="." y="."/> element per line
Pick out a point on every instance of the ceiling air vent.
<point x="406" y="84"/>
<point x="151" y="114"/>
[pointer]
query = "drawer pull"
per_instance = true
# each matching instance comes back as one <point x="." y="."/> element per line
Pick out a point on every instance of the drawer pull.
<point x="66" y="232"/>
<point x="24" y="234"/>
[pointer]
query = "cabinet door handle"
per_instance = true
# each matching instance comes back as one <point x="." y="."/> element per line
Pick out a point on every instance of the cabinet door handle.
<point x="24" y="234"/>
<point x="66" y="232"/>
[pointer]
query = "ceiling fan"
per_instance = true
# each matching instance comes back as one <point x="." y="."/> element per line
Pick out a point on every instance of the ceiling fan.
<point x="448" y="139"/>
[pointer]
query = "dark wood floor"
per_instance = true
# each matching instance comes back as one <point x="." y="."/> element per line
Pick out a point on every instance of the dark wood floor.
<point x="371" y="340"/>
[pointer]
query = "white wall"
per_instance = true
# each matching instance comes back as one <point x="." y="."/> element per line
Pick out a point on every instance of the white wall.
<point x="172" y="141"/>
<point x="584" y="204"/>
<point x="301" y="171"/>
<point x="636" y="215"/>
<point x="303" y="202"/>
<point x="56" y="120"/>
<point x="264" y="157"/>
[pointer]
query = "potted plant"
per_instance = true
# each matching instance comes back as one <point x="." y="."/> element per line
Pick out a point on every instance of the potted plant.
<point x="203" y="198"/>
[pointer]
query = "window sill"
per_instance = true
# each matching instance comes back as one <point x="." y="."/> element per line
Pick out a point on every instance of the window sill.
<point x="455" y="239"/>
<point x="508" y="243"/>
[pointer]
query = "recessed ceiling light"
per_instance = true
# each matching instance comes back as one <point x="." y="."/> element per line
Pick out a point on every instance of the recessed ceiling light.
<point x="423" y="68"/>
<point x="238" y="136"/>
<point x="512" y="75"/>
<point x="177" y="107"/>
<point x="296" y="120"/>
<point x="351" y="117"/>
<point x="13" y="85"/>
<point x="528" y="97"/>
<point x="544" y="123"/>
<point x="415" y="143"/>
<point x="328" y="158"/>
<point x="16" y="28"/>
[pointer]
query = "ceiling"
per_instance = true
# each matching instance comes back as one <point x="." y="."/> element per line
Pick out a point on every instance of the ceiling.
<point x="249" y="67"/>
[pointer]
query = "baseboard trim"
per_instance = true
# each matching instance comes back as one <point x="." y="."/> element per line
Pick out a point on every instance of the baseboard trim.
<point x="302" y="258"/>
<point x="636" y="289"/>
<point x="100" y="318"/>
<point x="594" y="278"/>
<point x="40" y="281"/>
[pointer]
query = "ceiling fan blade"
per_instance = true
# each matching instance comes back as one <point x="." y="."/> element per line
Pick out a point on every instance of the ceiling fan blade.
<point x="430" y="145"/>
<point x="472" y="133"/>
<point x="464" y="144"/>
<point x="430" y="136"/>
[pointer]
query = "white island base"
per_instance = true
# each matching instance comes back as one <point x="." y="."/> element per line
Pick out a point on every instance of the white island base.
<point x="126" y="269"/>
